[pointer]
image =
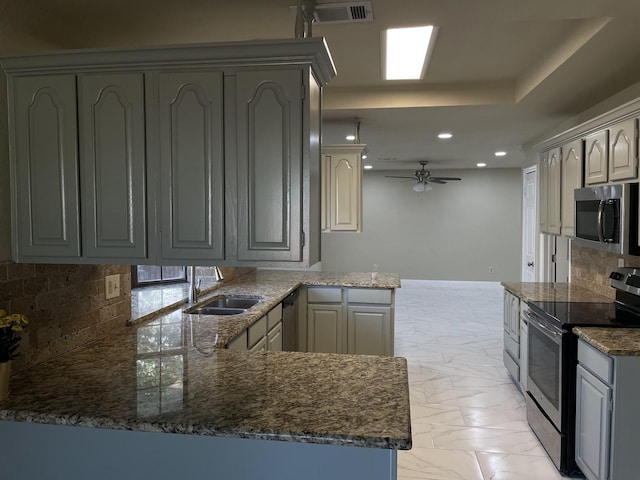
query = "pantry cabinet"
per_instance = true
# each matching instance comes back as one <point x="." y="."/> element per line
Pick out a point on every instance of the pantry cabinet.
<point x="212" y="150"/>
<point x="342" y="187"/>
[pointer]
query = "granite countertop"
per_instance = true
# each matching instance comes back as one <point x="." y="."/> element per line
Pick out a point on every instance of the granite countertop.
<point x="612" y="341"/>
<point x="272" y="286"/>
<point x="169" y="374"/>
<point x="553" y="292"/>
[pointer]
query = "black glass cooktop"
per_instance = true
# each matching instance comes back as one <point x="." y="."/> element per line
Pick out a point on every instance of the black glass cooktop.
<point x="609" y="314"/>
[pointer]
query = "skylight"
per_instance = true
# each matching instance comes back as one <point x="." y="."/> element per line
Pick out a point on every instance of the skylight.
<point x="406" y="52"/>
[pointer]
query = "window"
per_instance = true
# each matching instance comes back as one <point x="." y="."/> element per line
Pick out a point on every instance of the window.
<point x="153" y="274"/>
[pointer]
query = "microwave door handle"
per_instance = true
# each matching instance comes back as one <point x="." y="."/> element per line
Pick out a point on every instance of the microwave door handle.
<point x="600" y="221"/>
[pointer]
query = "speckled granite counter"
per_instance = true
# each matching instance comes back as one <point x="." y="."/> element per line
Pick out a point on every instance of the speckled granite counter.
<point x="612" y="341"/>
<point x="169" y="375"/>
<point x="271" y="286"/>
<point x="553" y="292"/>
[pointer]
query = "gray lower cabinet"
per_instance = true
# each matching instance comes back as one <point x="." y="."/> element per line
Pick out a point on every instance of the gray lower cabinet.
<point x="325" y="329"/>
<point x="263" y="335"/>
<point x="44" y="161"/>
<point x="607" y="420"/>
<point x="111" y="119"/>
<point x="349" y="320"/>
<point x="511" y="335"/>
<point x="190" y="112"/>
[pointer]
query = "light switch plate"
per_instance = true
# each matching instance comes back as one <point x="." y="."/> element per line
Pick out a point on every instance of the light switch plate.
<point x="112" y="286"/>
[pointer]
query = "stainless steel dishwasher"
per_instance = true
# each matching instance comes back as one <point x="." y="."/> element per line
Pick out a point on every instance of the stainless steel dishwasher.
<point x="290" y="322"/>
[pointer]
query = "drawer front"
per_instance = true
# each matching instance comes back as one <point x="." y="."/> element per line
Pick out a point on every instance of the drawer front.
<point x="324" y="295"/>
<point x="274" y="316"/>
<point x="512" y="366"/>
<point x="369" y="295"/>
<point x="257" y="331"/>
<point x="598" y="363"/>
<point x="511" y="346"/>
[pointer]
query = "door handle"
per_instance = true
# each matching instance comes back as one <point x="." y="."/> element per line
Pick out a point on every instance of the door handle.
<point x="529" y="264"/>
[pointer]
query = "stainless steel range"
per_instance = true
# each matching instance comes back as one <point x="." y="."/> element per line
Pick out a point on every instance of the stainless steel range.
<point x="552" y="360"/>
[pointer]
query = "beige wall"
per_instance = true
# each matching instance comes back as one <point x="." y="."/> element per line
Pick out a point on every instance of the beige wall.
<point x="454" y="232"/>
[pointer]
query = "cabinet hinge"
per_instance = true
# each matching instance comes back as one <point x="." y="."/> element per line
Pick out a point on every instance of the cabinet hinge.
<point x="553" y="258"/>
<point x="610" y="404"/>
<point x="302" y="238"/>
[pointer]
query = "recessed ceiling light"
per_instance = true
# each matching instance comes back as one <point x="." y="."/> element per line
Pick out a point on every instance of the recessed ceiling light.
<point x="368" y="167"/>
<point x="444" y="135"/>
<point x="351" y="138"/>
<point x="500" y="154"/>
<point x="406" y="52"/>
<point x="481" y="164"/>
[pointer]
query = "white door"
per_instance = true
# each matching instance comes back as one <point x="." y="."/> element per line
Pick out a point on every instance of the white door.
<point x="529" y="223"/>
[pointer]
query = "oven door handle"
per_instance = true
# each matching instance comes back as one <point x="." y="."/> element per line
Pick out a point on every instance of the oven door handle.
<point x="551" y="333"/>
<point x="600" y="221"/>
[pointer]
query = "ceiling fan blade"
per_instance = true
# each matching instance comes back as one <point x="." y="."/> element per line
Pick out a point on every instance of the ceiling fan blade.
<point x="394" y="176"/>
<point x="435" y="180"/>
<point x="444" y="178"/>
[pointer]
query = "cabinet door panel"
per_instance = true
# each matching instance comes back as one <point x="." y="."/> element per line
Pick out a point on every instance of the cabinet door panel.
<point x="112" y="146"/>
<point x="553" y="192"/>
<point x="345" y="192"/>
<point x="544" y="191"/>
<point x="192" y="169"/>
<point x="274" y="338"/>
<point x="596" y="158"/>
<point x="269" y="113"/>
<point x="593" y="425"/>
<point x="45" y="161"/>
<point x="369" y="330"/>
<point x="571" y="179"/>
<point x="325" y="329"/>
<point x="623" y="163"/>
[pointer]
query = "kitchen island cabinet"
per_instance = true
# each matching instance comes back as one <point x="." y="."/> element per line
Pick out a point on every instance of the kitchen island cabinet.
<point x="141" y="396"/>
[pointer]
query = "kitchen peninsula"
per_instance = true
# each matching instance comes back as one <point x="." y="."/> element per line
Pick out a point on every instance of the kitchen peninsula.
<point x="163" y="398"/>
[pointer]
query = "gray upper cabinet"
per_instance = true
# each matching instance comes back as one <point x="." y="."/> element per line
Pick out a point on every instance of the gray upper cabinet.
<point x="205" y="154"/>
<point x="111" y="114"/>
<point x="190" y="112"/>
<point x="269" y="128"/>
<point x="44" y="165"/>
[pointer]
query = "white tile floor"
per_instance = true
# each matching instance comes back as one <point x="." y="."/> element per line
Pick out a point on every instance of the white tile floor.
<point x="467" y="417"/>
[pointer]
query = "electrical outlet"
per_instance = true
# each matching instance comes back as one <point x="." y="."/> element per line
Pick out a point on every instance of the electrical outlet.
<point x="492" y="269"/>
<point x="621" y="262"/>
<point x="112" y="286"/>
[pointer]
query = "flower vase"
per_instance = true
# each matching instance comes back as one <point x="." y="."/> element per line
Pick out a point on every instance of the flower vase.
<point x="5" y="371"/>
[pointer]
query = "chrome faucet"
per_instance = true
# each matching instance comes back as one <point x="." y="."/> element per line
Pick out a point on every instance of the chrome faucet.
<point x="194" y="286"/>
<point x="217" y="274"/>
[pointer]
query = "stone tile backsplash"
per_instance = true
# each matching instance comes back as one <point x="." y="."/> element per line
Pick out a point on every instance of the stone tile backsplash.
<point x="591" y="268"/>
<point x="65" y="304"/>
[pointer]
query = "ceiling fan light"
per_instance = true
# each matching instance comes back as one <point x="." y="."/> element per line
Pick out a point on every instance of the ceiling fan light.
<point x="419" y="187"/>
<point x="427" y="187"/>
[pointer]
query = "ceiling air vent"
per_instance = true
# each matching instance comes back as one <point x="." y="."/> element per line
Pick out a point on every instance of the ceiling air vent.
<point x="353" y="12"/>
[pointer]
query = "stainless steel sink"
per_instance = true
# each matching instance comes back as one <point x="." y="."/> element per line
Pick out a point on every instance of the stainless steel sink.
<point x="217" y="311"/>
<point x="233" y="302"/>
<point x="225" y="305"/>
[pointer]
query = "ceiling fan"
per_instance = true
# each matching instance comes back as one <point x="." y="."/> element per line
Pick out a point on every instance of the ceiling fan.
<point x="424" y="178"/>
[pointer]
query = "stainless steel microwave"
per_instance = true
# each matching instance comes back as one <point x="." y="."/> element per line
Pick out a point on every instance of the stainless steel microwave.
<point x="606" y="218"/>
